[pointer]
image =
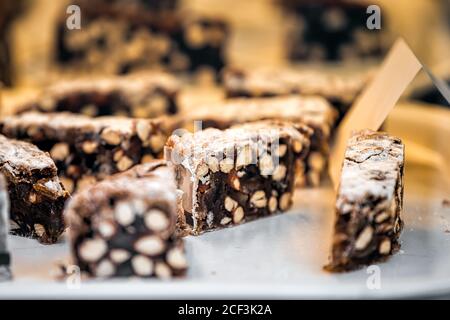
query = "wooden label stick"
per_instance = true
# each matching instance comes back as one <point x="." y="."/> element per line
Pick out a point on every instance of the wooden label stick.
<point x="372" y="107"/>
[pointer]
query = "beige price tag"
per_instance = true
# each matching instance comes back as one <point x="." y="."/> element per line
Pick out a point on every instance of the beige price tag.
<point x="372" y="107"/>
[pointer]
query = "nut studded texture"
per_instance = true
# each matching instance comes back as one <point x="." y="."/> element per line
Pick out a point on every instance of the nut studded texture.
<point x="142" y="95"/>
<point x="122" y="37"/>
<point x="369" y="201"/>
<point x="36" y="195"/>
<point x="339" y="90"/>
<point x="313" y="111"/>
<point x="5" y="272"/>
<point x="235" y="175"/>
<point x="88" y="149"/>
<point x="125" y="225"/>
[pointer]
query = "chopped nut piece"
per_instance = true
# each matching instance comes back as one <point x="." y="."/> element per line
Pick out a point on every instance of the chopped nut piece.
<point x="316" y="161"/>
<point x="118" y="155"/>
<point x="285" y="201"/>
<point x="266" y="164"/>
<point x="162" y="271"/>
<point x="364" y="238"/>
<point x="297" y="146"/>
<point x="143" y="130"/>
<point x="259" y="199"/>
<point x="225" y="220"/>
<point x="119" y="255"/>
<point x="195" y="36"/>
<point x="89" y="110"/>
<point x="149" y="245"/>
<point x="238" y="215"/>
<point x="226" y="165"/>
<point x="385" y="247"/>
<point x="176" y="258"/>
<point x="85" y="181"/>
<point x="235" y="183"/>
<point x="67" y="183"/>
<point x="105" y="269"/>
<point x="158" y="104"/>
<point x="89" y="146"/>
<point x="73" y="171"/>
<point x="157" y="142"/>
<point x="147" y="158"/>
<point x="244" y="158"/>
<point x="39" y="229"/>
<point x="111" y="137"/>
<point x="142" y="265"/>
<point x="230" y="204"/>
<point x="124" y="214"/>
<point x="383" y="216"/>
<point x="32" y="197"/>
<point x="48" y="104"/>
<point x="59" y="151"/>
<point x="273" y="204"/>
<point x="124" y="163"/>
<point x="92" y="250"/>
<point x="213" y="164"/>
<point x="106" y="229"/>
<point x="279" y="173"/>
<point x="281" y="151"/>
<point x="156" y="220"/>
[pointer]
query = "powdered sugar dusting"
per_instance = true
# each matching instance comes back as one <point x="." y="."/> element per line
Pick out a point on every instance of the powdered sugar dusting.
<point x="372" y="166"/>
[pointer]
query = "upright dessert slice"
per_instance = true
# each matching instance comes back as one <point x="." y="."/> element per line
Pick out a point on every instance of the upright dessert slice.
<point x="141" y="95"/>
<point x="315" y="112"/>
<point x="125" y="225"/>
<point x="369" y="201"/>
<point x="5" y="272"/>
<point x="88" y="149"/>
<point x="235" y="175"/>
<point x="36" y="195"/>
<point x="339" y="90"/>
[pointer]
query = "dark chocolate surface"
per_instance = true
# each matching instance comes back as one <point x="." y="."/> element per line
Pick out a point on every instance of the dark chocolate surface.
<point x="36" y="195"/>
<point x="89" y="149"/>
<point x="125" y="225"/>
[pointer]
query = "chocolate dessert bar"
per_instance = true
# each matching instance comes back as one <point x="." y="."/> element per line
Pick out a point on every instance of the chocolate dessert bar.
<point x="369" y="201"/>
<point x="315" y="112"/>
<point x="332" y="30"/>
<point x="140" y="95"/>
<point x="125" y="225"/>
<point x="36" y="195"/>
<point x="5" y="272"/>
<point x="339" y="90"/>
<point x="89" y="149"/>
<point x="118" y="38"/>
<point x="235" y="175"/>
